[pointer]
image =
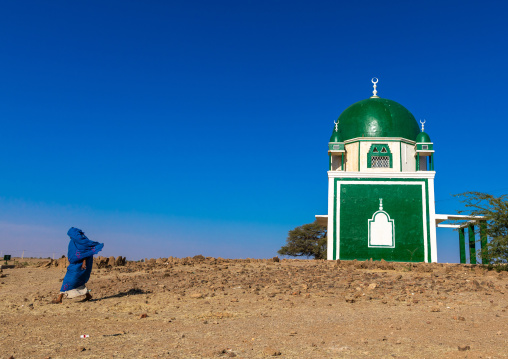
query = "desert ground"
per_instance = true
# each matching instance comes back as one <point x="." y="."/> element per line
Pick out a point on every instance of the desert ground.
<point x="249" y="308"/>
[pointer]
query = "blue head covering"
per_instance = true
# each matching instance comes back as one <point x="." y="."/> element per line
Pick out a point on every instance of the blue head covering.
<point x="80" y="247"/>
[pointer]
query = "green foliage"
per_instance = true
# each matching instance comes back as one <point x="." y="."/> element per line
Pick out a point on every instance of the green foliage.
<point x="495" y="211"/>
<point x="497" y="267"/>
<point x="308" y="240"/>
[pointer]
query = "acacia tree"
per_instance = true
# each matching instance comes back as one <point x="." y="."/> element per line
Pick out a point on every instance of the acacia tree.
<point x="495" y="210"/>
<point x="308" y="240"/>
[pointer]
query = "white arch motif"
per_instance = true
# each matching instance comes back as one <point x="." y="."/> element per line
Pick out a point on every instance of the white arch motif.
<point x="381" y="229"/>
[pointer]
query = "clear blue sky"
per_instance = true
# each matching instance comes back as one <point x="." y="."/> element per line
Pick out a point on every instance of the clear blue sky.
<point x="176" y="128"/>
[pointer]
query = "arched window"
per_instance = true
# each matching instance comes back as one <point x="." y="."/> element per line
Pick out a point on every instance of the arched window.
<point x="379" y="156"/>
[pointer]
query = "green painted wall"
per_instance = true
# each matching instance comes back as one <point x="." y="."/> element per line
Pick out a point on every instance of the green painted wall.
<point x="334" y="146"/>
<point x="402" y="202"/>
<point x="462" y="246"/>
<point x="472" y="244"/>
<point x="483" y="242"/>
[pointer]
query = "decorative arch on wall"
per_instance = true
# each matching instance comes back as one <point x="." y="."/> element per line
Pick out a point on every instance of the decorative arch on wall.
<point x="381" y="229"/>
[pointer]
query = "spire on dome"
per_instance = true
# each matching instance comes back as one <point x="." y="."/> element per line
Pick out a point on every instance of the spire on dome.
<point x="336" y="125"/>
<point x="375" y="91"/>
<point x="423" y="123"/>
<point x="380" y="204"/>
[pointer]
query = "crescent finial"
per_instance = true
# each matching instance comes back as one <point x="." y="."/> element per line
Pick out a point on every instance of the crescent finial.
<point x="423" y="123"/>
<point x="375" y="91"/>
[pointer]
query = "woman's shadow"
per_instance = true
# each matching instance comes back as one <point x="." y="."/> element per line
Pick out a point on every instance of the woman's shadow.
<point x="132" y="291"/>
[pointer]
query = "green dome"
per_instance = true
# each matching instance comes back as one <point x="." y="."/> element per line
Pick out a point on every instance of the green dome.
<point x="377" y="117"/>
<point x="423" y="137"/>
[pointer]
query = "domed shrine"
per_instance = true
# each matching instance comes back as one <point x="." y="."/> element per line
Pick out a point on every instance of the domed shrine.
<point x="381" y="189"/>
<point x="380" y="185"/>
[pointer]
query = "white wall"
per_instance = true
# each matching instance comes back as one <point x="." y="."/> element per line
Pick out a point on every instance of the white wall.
<point x="408" y="158"/>
<point x="352" y="157"/>
<point x="423" y="163"/>
<point x="336" y="162"/>
<point x="403" y="156"/>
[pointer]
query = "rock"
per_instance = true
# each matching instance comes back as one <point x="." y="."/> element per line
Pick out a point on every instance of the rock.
<point x="144" y="315"/>
<point x="111" y="261"/>
<point x="384" y="265"/>
<point x="271" y="352"/>
<point x="435" y="309"/>
<point x="199" y="258"/>
<point x="196" y="295"/>
<point x="464" y="348"/>
<point x="476" y="286"/>
<point x="62" y="262"/>
<point x="276" y="259"/>
<point x="101" y="262"/>
<point x="372" y="286"/>
<point x="120" y="261"/>
<point x="423" y="267"/>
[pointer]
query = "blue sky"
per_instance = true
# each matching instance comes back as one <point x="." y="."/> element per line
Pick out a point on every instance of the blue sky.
<point x="176" y="128"/>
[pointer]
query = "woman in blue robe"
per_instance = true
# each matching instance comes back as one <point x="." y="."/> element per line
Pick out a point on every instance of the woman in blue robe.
<point x="80" y="255"/>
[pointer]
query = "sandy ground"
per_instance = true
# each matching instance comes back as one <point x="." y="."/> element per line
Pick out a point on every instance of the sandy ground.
<point x="212" y="308"/>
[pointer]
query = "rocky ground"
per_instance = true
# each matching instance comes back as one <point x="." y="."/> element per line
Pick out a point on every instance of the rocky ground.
<point x="212" y="308"/>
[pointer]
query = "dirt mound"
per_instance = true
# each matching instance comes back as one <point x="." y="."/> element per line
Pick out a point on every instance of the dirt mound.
<point x="203" y="307"/>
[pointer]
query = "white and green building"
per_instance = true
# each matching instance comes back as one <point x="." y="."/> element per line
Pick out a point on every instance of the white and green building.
<point x="380" y="185"/>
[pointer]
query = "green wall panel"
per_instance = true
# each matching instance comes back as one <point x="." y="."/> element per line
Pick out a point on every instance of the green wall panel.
<point x="472" y="244"/>
<point x="462" y="246"/>
<point x="403" y="203"/>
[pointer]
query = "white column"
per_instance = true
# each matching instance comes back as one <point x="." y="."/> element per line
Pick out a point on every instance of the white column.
<point x="329" y="243"/>
<point x="432" y="219"/>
